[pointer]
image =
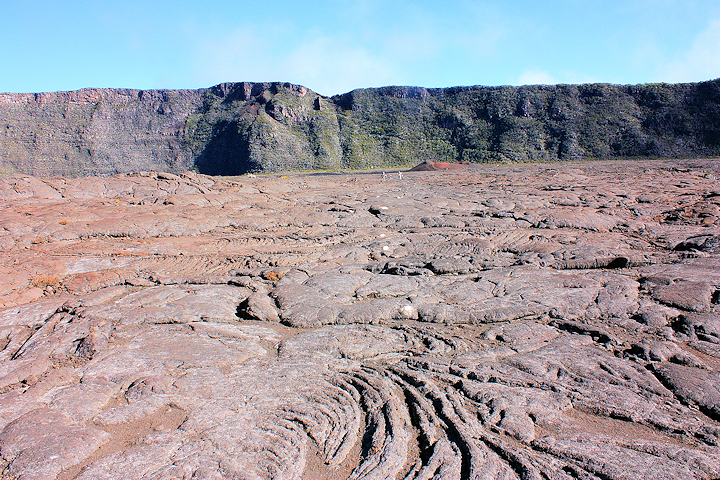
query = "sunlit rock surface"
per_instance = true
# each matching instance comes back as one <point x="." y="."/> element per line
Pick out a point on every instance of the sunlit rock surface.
<point x="529" y="322"/>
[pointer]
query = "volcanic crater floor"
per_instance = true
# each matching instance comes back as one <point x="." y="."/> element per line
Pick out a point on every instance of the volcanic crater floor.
<point x="542" y="321"/>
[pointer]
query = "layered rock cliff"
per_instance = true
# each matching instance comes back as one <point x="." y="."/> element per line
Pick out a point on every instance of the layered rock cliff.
<point x="235" y="128"/>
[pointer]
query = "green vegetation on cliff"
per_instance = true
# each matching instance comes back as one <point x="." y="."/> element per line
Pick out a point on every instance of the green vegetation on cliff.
<point x="235" y="128"/>
<point x="539" y="123"/>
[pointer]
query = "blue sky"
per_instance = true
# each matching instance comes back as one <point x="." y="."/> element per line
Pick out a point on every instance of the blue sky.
<point x="335" y="46"/>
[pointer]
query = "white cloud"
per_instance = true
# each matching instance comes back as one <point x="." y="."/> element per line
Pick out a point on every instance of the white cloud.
<point x="236" y="57"/>
<point x="536" y="77"/>
<point x="327" y="66"/>
<point x="330" y="66"/>
<point x="419" y="50"/>
<point x="700" y="62"/>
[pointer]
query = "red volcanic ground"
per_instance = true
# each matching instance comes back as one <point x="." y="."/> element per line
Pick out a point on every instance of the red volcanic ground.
<point x="430" y="166"/>
<point x="517" y="321"/>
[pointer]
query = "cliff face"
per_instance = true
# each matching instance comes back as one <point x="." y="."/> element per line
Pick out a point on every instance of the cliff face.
<point x="235" y="128"/>
<point x="538" y="123"/>
<point x="95" y="131"/>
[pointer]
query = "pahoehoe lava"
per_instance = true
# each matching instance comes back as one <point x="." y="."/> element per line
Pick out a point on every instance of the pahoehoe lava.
<point x="537" y="321"/>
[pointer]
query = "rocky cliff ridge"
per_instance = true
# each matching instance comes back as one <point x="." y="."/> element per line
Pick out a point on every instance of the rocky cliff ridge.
<point x="235" y="128"/>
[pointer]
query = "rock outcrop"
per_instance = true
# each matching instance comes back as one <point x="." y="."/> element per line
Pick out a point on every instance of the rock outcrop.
<point x="516" y="322"/>
<point x="235" y="128"/>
